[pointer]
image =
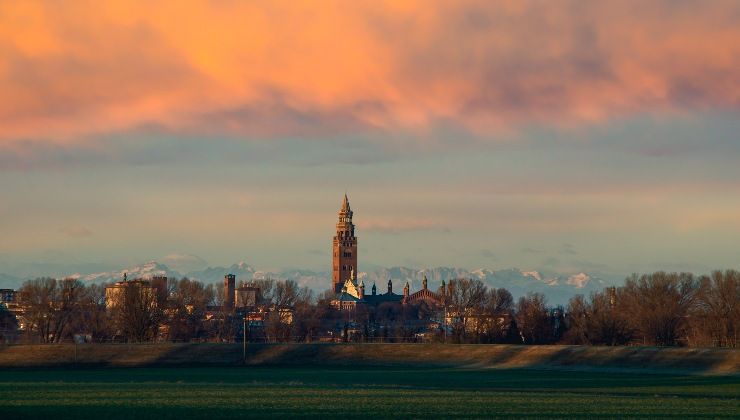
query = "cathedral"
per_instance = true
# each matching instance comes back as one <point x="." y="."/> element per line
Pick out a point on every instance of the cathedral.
<point x="345" y="248"/>
<point x="349" y="292"/>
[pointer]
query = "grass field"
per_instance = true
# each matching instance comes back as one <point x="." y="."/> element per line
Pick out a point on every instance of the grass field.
<point x="333" y="392"/>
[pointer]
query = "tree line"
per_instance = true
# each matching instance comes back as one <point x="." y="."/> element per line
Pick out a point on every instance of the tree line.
<point x="663" y="309"/>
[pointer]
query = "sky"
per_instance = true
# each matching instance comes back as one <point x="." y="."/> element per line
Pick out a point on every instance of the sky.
<point x="561" y="135"/>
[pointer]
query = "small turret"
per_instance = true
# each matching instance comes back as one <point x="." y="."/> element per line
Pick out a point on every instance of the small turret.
<point x="406" y="289"/>
<point x="374" y="290"/>
<point x="362" y="290"/>
<point x="390" y="286"/>
<point x="424" y="282"/>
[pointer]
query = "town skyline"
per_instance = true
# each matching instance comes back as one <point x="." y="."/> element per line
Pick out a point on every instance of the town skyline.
<point x="347" y="272"/>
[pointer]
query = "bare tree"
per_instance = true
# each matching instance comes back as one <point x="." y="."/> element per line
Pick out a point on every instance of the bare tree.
<point x="187" y="307"/>
<point x="608" y="319"/>
<point x="658" y="305"/>
<point x="266" y="289"/>
<point x="134" y="311"/>
<point x="288" y="300"/>
<point x="533" y="319"/>
<point x="38" y="297"/>
<point x="287" y="293"/>
<point x="497" y="309"/>
<point x="52" y="307"/>
<point x="464" y="300"/>
<point x="92" y="317"/>
<point x="601" y="320"/>
<point x="717" y="312"/>
<point x="67" y="307"/>
<point x="578" y="321"/>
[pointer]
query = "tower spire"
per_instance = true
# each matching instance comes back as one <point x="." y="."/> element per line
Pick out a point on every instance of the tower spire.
<point x="345" y="203"/>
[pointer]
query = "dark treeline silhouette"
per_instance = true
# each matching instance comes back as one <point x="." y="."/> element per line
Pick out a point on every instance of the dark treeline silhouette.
<point x="663" y="309"/>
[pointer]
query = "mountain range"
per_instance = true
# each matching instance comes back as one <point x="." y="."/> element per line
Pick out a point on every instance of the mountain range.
<point x="557" y="287"/>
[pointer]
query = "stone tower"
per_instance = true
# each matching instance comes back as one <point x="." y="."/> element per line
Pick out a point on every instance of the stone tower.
<point x="345" y="248"/>
<point x="229" y="288"/>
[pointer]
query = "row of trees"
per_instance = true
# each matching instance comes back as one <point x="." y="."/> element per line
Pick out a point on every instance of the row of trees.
<point x="661" y="309"/>
<point x="652" y="309"/>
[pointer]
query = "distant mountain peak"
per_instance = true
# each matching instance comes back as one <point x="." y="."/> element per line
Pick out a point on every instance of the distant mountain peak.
<point x="144" y="271"/>
<point x="579" y="280"/>
<point x="533" y="274"/>
<point x="557" y="287"/>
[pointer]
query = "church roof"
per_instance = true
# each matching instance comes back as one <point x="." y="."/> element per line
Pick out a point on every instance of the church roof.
<point x="425" y="294"/>
<point x="385" y="297"/>
<point x="351" y="288"/>
<point x="346" y="297"/>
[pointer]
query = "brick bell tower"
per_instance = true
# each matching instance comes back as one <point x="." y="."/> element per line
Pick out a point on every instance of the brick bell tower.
<point x="345" y="248"/>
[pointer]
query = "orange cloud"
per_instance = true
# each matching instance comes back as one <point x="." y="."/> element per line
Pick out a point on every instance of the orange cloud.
<point x="70" y="71"/>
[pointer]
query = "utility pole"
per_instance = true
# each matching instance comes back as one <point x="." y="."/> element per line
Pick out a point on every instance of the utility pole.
<point x="244" y="340"/>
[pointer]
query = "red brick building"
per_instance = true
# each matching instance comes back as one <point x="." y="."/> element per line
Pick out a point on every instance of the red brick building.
<point x="344" y="249"/>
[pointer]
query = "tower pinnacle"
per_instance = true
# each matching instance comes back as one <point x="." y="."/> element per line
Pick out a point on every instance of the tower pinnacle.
<point x="344" y="265"/>
<point x="345" y="204"/>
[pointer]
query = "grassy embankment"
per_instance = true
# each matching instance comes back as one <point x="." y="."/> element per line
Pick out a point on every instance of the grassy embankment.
<point x="624" y="359"/>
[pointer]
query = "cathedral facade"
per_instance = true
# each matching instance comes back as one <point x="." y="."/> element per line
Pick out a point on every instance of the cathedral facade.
<point x="350" y="292"/>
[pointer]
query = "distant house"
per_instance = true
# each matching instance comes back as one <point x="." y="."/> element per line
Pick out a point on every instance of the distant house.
<point x="246" y="297"/>
<point x="8" y="296"/>
<point x="153" y="291"/>
<point x="10" y="299"/>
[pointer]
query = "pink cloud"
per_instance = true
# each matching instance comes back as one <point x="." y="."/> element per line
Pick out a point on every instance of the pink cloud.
<point x="69" y="72"/>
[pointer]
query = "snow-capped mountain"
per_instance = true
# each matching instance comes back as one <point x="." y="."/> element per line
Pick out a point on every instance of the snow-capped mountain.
<point x="143" y="271"/>
<point x="241" y="270"/>
<point x="557" y="287"/>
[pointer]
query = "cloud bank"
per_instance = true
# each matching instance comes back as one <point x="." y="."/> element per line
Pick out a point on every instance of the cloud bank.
<point x="71" y="72"/>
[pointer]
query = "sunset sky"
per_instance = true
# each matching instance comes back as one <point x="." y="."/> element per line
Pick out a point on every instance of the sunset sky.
<point x="561" y="135"/>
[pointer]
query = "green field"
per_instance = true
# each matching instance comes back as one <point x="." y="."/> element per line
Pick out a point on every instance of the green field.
<point x="227" y="392"/>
